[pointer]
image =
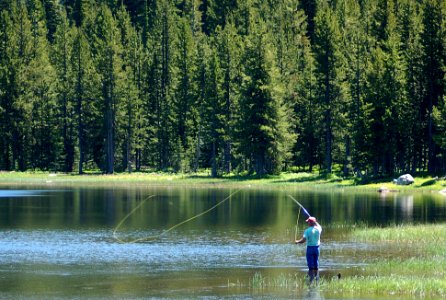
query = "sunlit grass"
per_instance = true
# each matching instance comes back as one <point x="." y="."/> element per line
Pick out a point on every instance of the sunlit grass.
<point x="407" y="260"/>
<point x="301" y="180"/>
<point x="286" y="281"/>
<point x="426" y="240"/>
<point x="420" y="286"/>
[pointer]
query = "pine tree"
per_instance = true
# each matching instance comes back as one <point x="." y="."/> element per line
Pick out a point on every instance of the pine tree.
<point x="106" y="48"/>
<point x="299" y="73"/>
<point x="78" y="10"/>
<point x="38" y="79"/>
<point x="329" y="77"/>
<point x="229" y="58"/>
<point x="52" y="17"/>
<point x="61" y="53"/>
<point x="388" y="98"/>
<point x="211" y="111"/>
<point x="132" y="57"/>
<point x="7" y="96"/>
<point x="160" y="45"/>
<point x="410" y="24"/>
<point x="216" y="13"/>
<point x="85" y="81"/>
<point x="356" y="52"/>
<point x="189" y="10"/>
<point x="264" y="120"/>
<point x="433" y="70"/>
<point x="310" y="8"/>
<point x="439" y="117"/>
<point x="184" y="100"/>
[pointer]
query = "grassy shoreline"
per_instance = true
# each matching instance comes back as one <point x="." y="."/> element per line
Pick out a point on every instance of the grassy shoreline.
<point x="285" y="180"/>
<point x="419" y="269"/>
<point x="407" y="261"/>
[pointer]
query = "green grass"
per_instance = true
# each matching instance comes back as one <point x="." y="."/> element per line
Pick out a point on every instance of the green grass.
<point x="416" y="286"/>
<point x="406" y="260"/>
<point x="302" y="180"/>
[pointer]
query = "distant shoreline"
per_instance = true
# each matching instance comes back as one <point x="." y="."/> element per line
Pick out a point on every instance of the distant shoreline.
<point x="302" y="180"/>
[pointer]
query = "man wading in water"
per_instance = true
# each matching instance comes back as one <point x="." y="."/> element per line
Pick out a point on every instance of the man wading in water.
<point x="312" y="235"/>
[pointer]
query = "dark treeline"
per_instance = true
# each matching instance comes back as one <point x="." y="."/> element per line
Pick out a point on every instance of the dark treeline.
<point x="255" y="85"/>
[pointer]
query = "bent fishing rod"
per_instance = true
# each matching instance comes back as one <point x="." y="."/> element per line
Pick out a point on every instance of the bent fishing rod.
<point x="301" y="206"/>
<point x="298" y="215"/>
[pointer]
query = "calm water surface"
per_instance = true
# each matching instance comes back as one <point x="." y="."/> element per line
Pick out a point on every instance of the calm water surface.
<point x="59" y="243"/>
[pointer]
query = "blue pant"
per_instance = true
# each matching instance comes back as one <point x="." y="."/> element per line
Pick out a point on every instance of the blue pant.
<point x="313" y="257"/>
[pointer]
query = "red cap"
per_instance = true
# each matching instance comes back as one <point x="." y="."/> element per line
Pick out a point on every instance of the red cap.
<point x="311" y="219"/>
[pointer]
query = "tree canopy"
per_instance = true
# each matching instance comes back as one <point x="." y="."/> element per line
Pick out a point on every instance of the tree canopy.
<point x="232" y="86"/>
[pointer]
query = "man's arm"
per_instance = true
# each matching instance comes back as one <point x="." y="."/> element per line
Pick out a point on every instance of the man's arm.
<point x="301" y="241"/>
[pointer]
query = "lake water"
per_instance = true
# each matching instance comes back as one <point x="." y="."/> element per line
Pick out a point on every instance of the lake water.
<point x="78" y="243"/>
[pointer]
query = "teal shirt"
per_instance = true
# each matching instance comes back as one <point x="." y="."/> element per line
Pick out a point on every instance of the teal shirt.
<point x="313" y="235"/>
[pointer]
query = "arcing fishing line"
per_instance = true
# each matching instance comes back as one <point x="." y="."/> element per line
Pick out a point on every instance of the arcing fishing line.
<point x="297" y="221"/>
<point x="127" y="216"/>
<point x="153" y="237"/>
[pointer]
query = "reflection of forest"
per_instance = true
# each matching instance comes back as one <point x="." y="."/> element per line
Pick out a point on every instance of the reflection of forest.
<point x="249" y="209"/>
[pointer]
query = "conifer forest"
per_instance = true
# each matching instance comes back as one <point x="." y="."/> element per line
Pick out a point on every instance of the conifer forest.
<point x="255" y="86"/>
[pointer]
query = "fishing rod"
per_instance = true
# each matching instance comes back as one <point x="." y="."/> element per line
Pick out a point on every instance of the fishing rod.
<point x="298" y="215"/>
<point x="301" y="206"/>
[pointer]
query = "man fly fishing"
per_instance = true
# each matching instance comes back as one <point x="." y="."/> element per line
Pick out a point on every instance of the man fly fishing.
<point x="312" y="235"/>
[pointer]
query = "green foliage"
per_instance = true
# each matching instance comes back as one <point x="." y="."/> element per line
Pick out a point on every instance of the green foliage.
<point x="245" y="86"/>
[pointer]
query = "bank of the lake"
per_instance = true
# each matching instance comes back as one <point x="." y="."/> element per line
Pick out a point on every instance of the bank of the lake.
<point x="407" y="261"/>
<point x="301" y="180"/>
<point x="410" y="261"/>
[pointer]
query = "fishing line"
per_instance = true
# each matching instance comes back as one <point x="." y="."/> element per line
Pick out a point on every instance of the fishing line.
<point x="301" y="208"/>
<point x="126" y="217"/>
<point x="153" y="237"/>
<point x="297" y="222"/>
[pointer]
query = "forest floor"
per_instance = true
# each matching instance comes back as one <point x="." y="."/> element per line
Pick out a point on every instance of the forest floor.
<point x="302" y="180"/>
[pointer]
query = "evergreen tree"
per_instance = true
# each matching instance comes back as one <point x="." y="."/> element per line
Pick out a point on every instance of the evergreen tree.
<point x="160" y="89"/>
<point x="183" y="103"/>
<point x="85" y="82"/>
<point x="329" y="77"/>
<point x="216" y="13"/>
<point x="106" y="48"/>
<point x="229" y="55"/>
<point x="356" y="51"/>
<point x="309" y="7"/>
<point x="21" y="108"/>
<point x="212" y="110"/>
<point x="302" y="94"/>
<point x="7" y="94"/>
<point x="439" y="116"/>
<point x="52" y="17"/>
<point x="410" y="27"/>
<point x="170" y="85"/>
<point x="190" y="11"/>
<point x="131" y="112"/>
<point x="388" y="98"/>
<point x="264" y="120"/>
<point x="62" y="51"/>
<point x="434" y="56"/>
<point x="37" y="81"/>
